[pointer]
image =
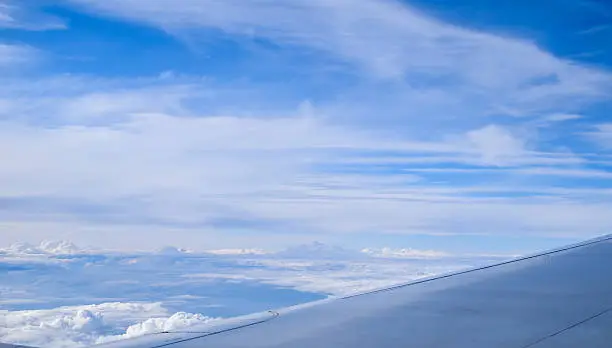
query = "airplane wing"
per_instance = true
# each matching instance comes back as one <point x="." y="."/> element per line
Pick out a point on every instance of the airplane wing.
<point x="561" y="298"/>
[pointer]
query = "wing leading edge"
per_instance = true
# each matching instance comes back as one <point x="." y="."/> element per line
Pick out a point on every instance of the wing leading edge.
<point x="561" y="298"/>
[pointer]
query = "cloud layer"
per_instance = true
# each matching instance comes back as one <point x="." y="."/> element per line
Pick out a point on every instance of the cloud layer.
<point x="47" y="291"/>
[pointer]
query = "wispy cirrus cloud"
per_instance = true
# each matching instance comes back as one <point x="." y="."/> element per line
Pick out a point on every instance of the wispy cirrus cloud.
<point x="83" y="326"/>
<point x="13" y="15"/>
<point x="388" y="39"/>
<point x="112" y="160"/>
<point x="602" y="135"/>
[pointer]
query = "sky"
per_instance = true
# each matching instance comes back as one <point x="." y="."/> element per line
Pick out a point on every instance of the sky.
<point x="462" y="126"/>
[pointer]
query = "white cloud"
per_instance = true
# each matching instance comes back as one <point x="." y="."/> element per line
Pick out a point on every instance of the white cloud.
<point x="562" y="117"/>
<point x="473" y="156"/>
<point x="386" y="38"/>
<point x="130" y="154"/>
<point x="157" y="153"/>
<point x="46" y="247"/>
<point x="241" y="251"/>
<point x="576" y="173"/>
<point x="322" y="268"/>
<point x="177" y="321"/>
<point x="496" y="144"/>
<point x="117" y="104"/>
<point x="319" y="251"/>
<point x="404" y="253"/>
<point x="82" y="326"/>
<point x="187" y="174"/>
<point x="16" y="55"/>
<point x="192" y="281"/>
<point x="65" y="100"/>
<point x="602" y="135"/>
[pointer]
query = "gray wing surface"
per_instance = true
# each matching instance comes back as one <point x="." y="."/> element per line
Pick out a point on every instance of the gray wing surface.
<point x="561" y="298"/>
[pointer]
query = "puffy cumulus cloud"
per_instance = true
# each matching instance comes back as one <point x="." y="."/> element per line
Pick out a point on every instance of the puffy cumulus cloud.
<point x="81" y="326"/>
<point x="157" y="152"/>
<point x="241" y="251"/>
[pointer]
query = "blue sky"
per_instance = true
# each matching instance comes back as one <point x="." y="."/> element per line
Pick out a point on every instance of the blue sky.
<point x="459" y="125"/>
